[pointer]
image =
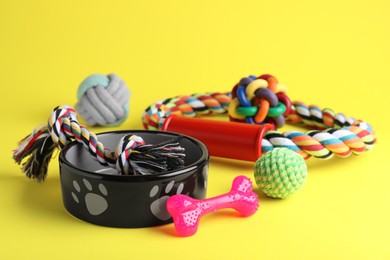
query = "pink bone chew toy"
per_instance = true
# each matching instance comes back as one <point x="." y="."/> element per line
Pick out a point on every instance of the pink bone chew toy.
<point x="186" y="211"/>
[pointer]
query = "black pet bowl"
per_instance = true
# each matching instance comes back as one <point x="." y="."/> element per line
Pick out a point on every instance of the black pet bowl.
<point x="98" y="195"/>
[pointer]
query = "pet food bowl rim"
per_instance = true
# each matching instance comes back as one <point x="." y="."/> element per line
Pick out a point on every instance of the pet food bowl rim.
<point x="204" y="158"/>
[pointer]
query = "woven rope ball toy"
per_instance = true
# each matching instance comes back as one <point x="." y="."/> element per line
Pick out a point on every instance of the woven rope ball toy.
<point x="280" y="173"/>
<point x="103" y="100"/>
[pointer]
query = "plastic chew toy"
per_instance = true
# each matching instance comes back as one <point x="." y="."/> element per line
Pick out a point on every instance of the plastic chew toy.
<point x="280" y="173"/>
<point x="264" y="105"/>
<point x="132" y="156"/>
<point x="103" y="100"/>
<point x="186" y="211"/>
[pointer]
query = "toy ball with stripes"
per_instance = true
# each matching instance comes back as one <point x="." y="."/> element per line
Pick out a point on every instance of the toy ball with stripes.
<point x="103" y="100"/>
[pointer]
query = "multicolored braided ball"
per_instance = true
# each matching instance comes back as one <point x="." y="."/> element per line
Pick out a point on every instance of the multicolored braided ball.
<point x="103" y="100"/>
<point x="280" y="173"/>
<point x="259" y="100"/>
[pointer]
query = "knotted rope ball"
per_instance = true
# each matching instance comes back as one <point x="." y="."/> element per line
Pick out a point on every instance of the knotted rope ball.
<point x="280" y="173"/>
<point x="259" y="100"/>
<point x="103" y="100"/>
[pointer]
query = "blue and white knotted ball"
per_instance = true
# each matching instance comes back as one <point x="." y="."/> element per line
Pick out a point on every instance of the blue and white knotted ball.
<point x="103" y="100"/>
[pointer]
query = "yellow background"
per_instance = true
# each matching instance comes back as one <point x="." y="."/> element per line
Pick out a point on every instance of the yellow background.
<point x="329" y="53"/>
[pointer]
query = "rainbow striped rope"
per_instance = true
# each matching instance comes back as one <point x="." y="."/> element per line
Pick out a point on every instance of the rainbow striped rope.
<point x="191" y="106"/>
<point x="332" y="133"/>
<point x="131" y="156"/>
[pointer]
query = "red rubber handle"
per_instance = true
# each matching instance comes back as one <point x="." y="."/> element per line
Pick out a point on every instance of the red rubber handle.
<point x="223" y="139"/>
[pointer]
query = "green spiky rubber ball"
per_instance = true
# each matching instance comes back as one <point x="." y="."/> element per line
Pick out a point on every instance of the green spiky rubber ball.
<point x="280" y="173"/>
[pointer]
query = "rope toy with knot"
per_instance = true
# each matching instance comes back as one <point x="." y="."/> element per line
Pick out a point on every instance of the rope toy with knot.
<point x="131" y="157"/>
<point x="259" y="100"/>
<point x="263" y="100"/>
<point x="103" y="100"/>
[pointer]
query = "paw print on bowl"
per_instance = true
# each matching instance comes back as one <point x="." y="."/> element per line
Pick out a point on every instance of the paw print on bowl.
<point x="95" y="202"/>
<point x="158" y="206"/>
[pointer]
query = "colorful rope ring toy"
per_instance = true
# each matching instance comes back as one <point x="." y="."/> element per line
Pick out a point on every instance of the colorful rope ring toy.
<point x="263" y="101"/>
<point x="263" y="104"/>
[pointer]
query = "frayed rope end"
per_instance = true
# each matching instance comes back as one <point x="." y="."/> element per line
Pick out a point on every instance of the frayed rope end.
<point x="159" y="158"/>
<point x="37" y="148"/>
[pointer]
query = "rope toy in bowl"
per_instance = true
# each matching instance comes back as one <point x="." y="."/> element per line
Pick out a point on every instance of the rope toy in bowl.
<point x="131" y="156"/>
<point x="103" y="100"/>
<point x="263" y="103"/>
